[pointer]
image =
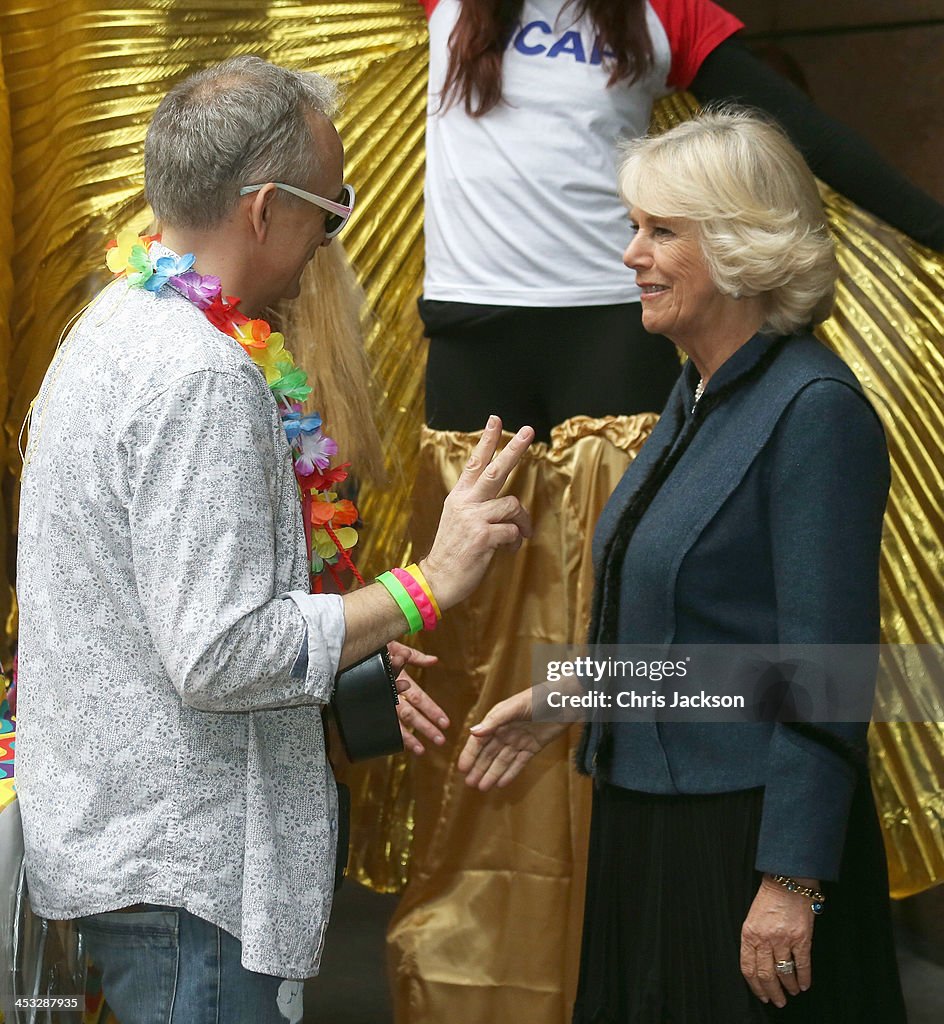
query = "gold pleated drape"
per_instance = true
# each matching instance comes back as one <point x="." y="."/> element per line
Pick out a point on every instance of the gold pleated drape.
<point x="488" y="927"/>
<point x="79" y="80"/>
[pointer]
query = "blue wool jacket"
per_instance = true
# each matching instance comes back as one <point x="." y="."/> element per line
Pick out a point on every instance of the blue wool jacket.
<point x="767" y="530"/>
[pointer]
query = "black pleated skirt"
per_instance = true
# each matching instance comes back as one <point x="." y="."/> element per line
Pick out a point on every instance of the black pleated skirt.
<point x="670" y="881"/>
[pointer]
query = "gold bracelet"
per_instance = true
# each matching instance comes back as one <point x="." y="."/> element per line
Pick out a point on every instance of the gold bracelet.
<point x="792" y="885"/>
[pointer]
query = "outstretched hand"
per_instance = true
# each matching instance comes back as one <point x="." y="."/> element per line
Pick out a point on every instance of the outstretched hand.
<point x="475" y="520"/>
<point x="504" y="742"/>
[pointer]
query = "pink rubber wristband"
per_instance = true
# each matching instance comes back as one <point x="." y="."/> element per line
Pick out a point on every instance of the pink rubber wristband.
<point x="423" y="604"/>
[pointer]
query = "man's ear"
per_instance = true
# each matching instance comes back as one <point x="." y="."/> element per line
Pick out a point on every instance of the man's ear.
<point x="259" y="211"/>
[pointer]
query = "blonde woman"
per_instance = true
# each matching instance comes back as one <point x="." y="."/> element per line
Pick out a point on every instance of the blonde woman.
<point x="736" y="870"/>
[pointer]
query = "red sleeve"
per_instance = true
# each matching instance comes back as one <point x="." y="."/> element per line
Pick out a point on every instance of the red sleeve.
<point x="694" y="28"/>
<point x="429" y="6"/>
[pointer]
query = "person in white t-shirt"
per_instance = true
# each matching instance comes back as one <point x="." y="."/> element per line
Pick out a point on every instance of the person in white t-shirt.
<point x="528" y="102"/>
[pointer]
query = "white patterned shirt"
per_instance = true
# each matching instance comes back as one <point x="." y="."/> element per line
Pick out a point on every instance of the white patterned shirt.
<point x="173" y="665"/>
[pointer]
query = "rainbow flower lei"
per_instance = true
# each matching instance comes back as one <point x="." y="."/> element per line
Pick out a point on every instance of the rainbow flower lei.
<point x="328" y="520"/>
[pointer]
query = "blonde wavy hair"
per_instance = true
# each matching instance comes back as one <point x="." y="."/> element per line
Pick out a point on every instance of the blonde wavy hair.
<point x="324" y="327"/>
<point x="755" y="205"/>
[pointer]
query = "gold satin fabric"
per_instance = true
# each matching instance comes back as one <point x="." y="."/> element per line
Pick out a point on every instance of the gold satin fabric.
<point x="889" y="327"/>
<point x="488" y="925"/>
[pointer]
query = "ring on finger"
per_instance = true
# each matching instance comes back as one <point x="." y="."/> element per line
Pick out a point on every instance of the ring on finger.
<point x="785" y="966"/>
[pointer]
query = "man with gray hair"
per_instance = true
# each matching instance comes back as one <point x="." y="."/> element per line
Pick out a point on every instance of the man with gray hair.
<point x="175" y="792"/>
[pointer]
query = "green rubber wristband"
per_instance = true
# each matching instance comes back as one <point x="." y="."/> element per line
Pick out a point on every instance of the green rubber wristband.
<point x="405" y="603"/>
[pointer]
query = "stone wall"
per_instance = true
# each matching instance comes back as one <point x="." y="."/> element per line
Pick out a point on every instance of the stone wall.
<point x="877" y="65"/>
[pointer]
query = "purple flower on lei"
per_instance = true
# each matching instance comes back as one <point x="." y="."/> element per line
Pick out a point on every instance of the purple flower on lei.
<point x="316" y="452"/>
<point x="310" y="448"/>
<point x="200" y="290"/>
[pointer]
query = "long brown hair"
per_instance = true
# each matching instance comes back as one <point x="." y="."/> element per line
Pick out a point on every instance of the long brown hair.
<point x="482" y="31"/>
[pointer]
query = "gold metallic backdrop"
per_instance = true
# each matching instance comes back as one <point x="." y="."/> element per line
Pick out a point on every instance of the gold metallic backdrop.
<point x="82" y="77"/>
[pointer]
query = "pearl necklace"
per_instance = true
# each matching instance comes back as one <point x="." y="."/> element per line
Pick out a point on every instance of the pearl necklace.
<point x="699" y="391"/>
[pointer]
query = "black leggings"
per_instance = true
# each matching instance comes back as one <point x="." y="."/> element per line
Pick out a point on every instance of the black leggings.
<point x="541" y="366"/>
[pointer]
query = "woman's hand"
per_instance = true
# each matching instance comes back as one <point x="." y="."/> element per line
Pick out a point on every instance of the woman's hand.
<point x="504" y="742"/>
<point x="417" y="711"/>
<point x="779" y="926"/>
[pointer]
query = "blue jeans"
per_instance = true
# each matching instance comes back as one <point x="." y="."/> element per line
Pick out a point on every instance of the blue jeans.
<point x="163" y="965"/>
